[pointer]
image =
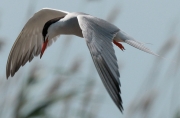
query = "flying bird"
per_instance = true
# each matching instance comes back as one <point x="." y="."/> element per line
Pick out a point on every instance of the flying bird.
<point x="45" y="25"/>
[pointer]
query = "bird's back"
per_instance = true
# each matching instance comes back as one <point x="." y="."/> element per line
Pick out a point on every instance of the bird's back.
<point x="72" y="24"/>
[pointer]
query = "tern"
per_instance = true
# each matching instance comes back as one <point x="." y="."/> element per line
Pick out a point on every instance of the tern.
<point x="46" y="24"/>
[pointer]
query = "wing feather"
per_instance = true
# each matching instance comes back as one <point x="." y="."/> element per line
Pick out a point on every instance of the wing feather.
<point x="28" y="43"/>
<point x="99" y="35"/>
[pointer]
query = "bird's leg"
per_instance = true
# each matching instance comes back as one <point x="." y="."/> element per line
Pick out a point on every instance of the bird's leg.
<point x="119" y="45"/>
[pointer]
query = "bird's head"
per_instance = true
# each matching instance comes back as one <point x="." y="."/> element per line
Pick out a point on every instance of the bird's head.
<point x="48" y="33"/>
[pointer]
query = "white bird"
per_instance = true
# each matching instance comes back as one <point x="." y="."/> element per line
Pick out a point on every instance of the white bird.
<point x="45" y="25"/>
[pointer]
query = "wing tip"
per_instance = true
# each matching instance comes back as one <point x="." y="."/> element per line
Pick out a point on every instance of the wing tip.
<point x="121" y="107"/>
<point x="7" y="70"/>
<point x="7" y="75"/>
<point x="120" y="104"/>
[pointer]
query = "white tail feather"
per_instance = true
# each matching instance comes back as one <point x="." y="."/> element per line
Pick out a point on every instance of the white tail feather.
<point x="129" y="40"/>
<point x="140" y="46"/>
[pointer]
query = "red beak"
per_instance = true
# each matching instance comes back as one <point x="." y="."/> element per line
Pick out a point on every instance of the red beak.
<point x="44" y="47"/>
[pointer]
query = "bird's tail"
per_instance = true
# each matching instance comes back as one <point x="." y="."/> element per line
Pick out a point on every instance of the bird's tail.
<point x="140" y="46"/>
<point x="129" y="40"/>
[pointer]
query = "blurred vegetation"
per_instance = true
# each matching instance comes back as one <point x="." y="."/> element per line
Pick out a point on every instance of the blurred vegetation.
<point x="161" y="83"/>
<point x="42" y="102"/>
<point x="1" y="44"/>
<point x="29" y="97"/>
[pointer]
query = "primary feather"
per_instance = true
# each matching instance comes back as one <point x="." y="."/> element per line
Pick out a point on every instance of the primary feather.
<point x="29" y="42"/>
<point x="99" y="35"/>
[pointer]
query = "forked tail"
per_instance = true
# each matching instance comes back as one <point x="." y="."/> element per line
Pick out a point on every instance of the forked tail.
<point x="129" y="40"/>
<point x="140" y="46"/>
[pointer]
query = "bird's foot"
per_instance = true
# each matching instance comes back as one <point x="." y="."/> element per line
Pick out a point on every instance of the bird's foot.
<point x="119" y="45"/>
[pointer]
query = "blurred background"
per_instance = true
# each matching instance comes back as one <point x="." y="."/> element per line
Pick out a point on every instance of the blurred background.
<point x="65" y="84"/>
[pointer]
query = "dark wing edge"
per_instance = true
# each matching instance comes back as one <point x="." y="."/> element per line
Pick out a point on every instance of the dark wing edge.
<point x="107" y="77"/>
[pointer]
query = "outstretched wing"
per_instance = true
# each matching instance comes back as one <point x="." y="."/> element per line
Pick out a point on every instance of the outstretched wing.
<point x="99" y="35"/>
<point x="28" y="43"/>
